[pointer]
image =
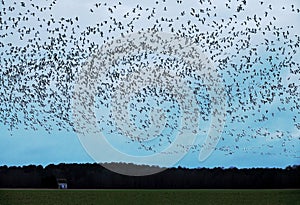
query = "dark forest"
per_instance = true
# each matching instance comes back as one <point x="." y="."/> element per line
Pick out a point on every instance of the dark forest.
<point x="94" y="176"/>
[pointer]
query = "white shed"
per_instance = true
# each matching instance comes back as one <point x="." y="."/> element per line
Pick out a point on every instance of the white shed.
<point x="62" y="183"/>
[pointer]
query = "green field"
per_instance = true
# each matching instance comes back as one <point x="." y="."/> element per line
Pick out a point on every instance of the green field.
<point x="198" y="196"/>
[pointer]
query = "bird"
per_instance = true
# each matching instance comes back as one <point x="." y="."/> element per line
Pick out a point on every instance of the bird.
<point x="251" y="51"/>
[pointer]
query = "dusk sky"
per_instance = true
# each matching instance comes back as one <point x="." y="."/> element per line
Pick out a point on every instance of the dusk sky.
<point x="252" y="45"/>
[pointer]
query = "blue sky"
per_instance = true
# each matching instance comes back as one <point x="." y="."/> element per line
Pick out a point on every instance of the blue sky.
<point x="255" y="135"/>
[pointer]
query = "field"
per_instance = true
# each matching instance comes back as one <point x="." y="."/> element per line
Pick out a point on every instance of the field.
<point x="198" y="196"/>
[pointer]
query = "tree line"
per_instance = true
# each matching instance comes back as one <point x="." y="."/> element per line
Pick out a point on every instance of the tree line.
<point x="94" y="176"/>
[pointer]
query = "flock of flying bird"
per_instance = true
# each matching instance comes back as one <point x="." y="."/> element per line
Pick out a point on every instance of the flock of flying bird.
<point x="41" y="54"/>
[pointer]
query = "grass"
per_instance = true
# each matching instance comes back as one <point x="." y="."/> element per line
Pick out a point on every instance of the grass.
<point x="197" y="196"/>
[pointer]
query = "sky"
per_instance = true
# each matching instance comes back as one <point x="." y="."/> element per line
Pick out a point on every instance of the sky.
<point x="254" y="47"/>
